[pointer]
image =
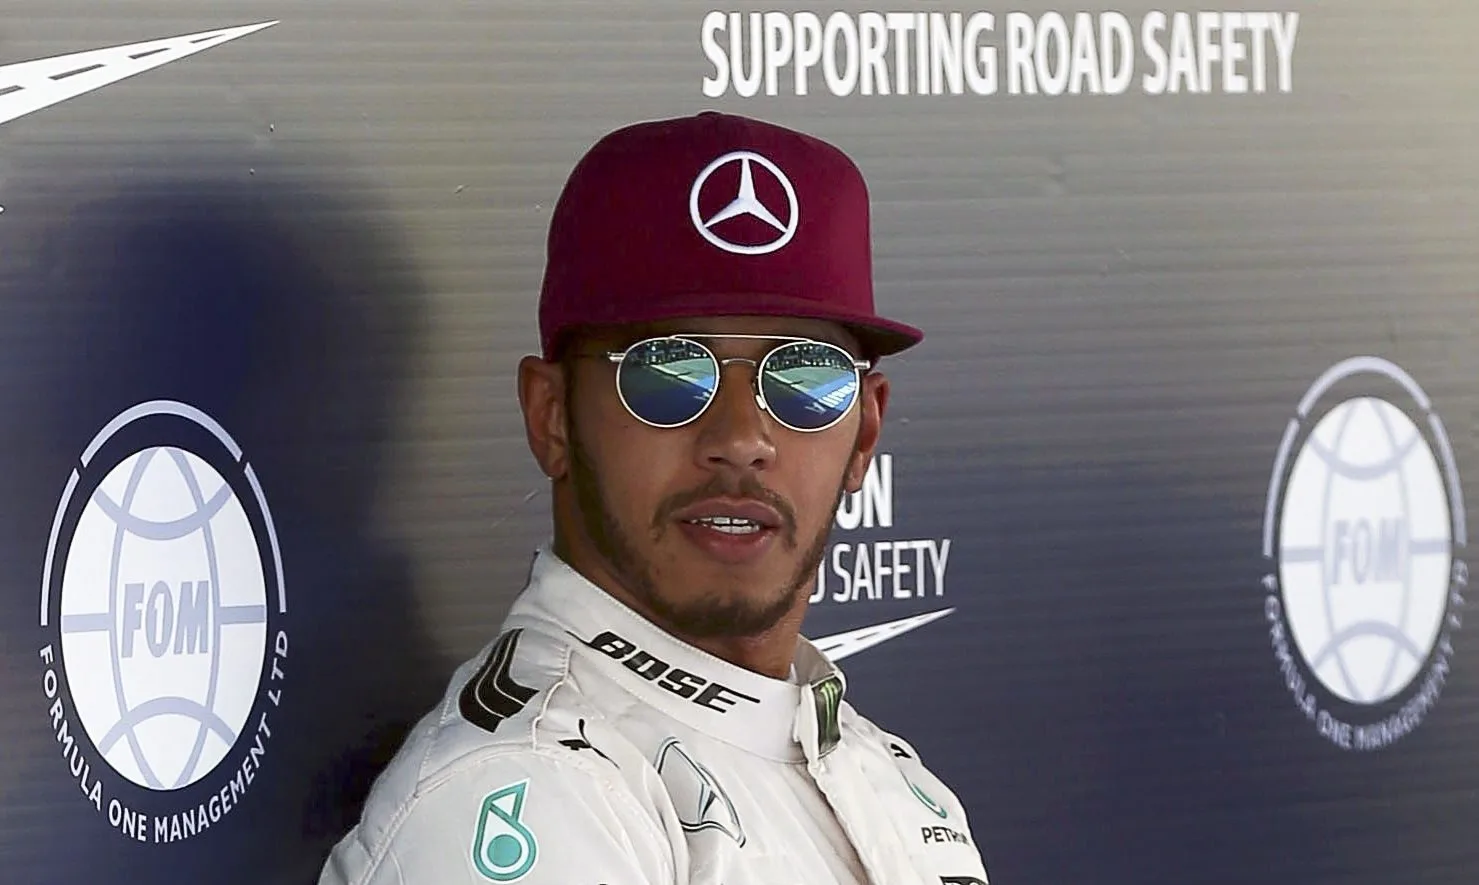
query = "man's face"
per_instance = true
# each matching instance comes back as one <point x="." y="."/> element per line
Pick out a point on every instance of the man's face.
<point x="646" y="498"/>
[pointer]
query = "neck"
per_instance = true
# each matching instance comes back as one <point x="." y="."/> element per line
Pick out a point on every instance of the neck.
<point x="769" y="654"/>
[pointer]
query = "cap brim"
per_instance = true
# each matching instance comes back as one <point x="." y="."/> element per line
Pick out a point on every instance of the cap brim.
<point x="878" y="336"/>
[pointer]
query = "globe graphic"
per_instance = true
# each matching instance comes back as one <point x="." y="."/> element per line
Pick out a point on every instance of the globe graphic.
<point x="163" y="605"/>
<point x="1365" y="551"/>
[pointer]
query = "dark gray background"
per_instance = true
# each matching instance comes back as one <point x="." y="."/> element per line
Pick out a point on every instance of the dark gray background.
<point x="1124" y="299"/>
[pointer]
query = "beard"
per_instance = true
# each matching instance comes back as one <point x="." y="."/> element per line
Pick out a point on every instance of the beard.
<point x="722" y="613"/>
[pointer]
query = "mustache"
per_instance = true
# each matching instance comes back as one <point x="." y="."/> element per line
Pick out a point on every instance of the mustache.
<point x="741" y="488"/>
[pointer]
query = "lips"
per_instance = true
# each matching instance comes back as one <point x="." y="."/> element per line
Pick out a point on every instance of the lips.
<point x="735" y="532"/>
<point x="730" y="510"/>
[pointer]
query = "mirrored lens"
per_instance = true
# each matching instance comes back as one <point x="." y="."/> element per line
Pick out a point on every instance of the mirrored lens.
<point x="809" y="385"/>
<point x="667" y="381"/>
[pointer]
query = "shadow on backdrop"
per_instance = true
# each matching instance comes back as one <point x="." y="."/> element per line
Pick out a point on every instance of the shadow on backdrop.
<point x="283" y="305"/>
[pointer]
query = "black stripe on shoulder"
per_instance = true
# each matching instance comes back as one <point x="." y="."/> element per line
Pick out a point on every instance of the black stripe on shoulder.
<point x="492" y="695"/>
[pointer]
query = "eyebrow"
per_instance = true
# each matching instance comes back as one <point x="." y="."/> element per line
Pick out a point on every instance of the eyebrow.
<point x="826" y="335"/>
<point x="832" y="338"/>
<point x="614" y="344"/>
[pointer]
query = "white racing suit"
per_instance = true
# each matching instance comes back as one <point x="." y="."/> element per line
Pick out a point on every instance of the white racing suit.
<point x="585" y="746"/>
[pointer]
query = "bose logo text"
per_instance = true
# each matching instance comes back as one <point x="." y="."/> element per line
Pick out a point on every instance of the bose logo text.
<point x="689" y="686"/>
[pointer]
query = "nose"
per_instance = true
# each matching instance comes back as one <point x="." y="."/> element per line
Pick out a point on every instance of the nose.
<point x="734" y="433"/>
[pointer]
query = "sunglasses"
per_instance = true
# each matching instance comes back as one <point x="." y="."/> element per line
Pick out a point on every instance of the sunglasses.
<point x="805" y="385"/>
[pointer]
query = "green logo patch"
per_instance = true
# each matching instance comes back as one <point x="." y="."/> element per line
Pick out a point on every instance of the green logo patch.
<point x="929" y="803"/>
<point x="504" y="850"/>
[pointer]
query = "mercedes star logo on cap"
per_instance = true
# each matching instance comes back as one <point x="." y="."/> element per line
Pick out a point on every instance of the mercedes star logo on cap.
<point x="746" y="202"/>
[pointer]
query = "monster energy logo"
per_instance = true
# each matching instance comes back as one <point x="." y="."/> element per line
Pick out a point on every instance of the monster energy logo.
<point x="504" y="850"/>
<point x="828" y="697"/>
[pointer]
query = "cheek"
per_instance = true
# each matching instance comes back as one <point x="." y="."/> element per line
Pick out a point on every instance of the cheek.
<point x="639" y="467"/>
<point x="817" y="475"/>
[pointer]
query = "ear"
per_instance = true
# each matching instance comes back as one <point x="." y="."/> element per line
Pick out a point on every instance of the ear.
<point x="872" y="404"/>
<point x="546" y="424"/>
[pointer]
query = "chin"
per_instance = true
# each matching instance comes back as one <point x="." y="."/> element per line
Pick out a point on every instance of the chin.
<point x="726" y="614"/>
<point x="739" y="579"/>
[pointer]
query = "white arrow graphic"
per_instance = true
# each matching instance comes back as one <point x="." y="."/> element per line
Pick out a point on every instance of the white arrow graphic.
<point x="29" y="86"/>
<point x="843" y="645"/>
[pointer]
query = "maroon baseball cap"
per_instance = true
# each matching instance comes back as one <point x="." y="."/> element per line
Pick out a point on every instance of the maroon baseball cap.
<point x="712" y="215"/>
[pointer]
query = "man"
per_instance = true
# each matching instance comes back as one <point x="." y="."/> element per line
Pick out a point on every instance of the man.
<point x="650" y="714"/>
